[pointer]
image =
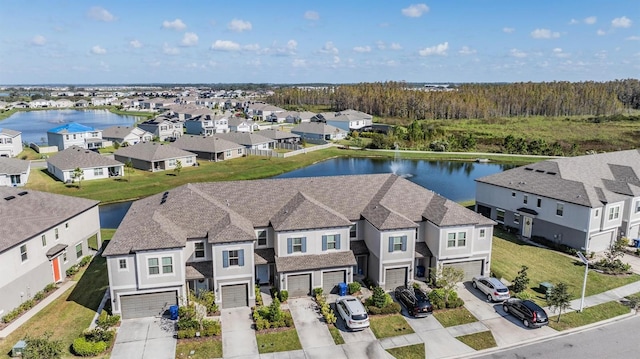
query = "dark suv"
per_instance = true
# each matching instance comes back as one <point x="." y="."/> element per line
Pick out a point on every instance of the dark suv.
<point x="531" y="314"/>
<point x="416" y="301"/>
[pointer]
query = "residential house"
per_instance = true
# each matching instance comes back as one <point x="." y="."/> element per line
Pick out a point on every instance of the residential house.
<point x="350" y="120"/>
<point x="43" y="234"/>
<point x="240" y="124"/>
<point x="207" y="125"/>
<point x="163" y="128"/>
<point x="153" y="156"/>
<point x="318" y="131"/>
<point x="40" y="103"/>
<point x="296" y="234"/>
<point x="93" y="165"/>
<point x="126" y="135"/>
<point x="82" y="103"/>
<point x="75" y="134"/>
<point x="260" y="111"/>
<point x="280" y="136"/>
<point x="14" y="172"/>
<point x="583" y="202"/>
<point x="62" y="103"/>
<point x="210" y="148"/>
<point x="10" y="142"/>
<point x="249" y="140"/>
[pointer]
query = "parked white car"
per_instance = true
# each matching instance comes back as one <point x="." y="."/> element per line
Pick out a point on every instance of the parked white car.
<point x="352" y="312"/>
<point x="492" y="287"/>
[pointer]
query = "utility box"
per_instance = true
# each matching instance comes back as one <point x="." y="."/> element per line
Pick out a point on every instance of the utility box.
<point x="546" y="287"/>
<point x="18" y="349"/>
<point x="342" y="289"/>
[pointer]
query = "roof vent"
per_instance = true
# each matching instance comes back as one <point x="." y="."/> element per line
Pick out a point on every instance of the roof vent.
<point x="528" y="168"/>
<point x="9" y="198"/>
<point x="540" y="171"/>
<point x="22" y="193"/>
<point x="551" y="173"/>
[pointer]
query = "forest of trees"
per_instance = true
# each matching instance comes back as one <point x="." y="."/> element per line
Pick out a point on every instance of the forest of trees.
<point x="470" y="101"/>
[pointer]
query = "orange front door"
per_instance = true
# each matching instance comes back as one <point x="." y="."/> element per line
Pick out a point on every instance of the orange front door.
<point x="56" y="269"/>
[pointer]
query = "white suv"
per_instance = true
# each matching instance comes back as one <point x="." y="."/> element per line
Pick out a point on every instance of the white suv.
<point x="352" y="312"/>
<point x="492" y="287"/>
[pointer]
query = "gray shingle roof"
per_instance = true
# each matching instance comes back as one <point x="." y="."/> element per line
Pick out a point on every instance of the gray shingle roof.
<point x="75" y="156"/>
<point x="316" y="127"/>
<point x="152" y="151"/>
<point x="244" y="138"/>
<point x="264" y="256"/>
<point x="199" y="270"/>
<point x="34" y="212"/>
<point x="13" y="166"/>
<point x="204" y="144"/>
<point x="358" y="247"/>
<point x="277" y="134"/>
<point x="315" y="261"/>
<point x="305" y="212"/>
<point x="585" y="180"/>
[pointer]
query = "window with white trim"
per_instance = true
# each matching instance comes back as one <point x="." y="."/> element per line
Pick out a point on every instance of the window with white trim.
<point x="559" y="209"/>
<point x="331" y="241"/>
<point x="513" y="194"/>
<point x="597" y="214"/>
<point x="234" y="258"/>
<point x="499" y="215"/>
<point x="171" y="163"/>
<point x="199" y="249"/>
<point x="296" y="244"/>
<point x="262" y="237"/>
<point x="153" y="265"/>
<point x="483" y="233"/>
<point x="525" y="199"/>
<point x="98" y="171"/>
<point x="397" y="243"/>
<point x="44" y="240"/>
<point x="239" y="151"/>
<point x="516" y="218"/>
<point x="122" y="264"/>
<point x="167" y="265"/>
<point x="458" y="239"/>
<point x="64" y="256"/>
<point x="56" y="234"/>
<point x="353" y="230"/>
<point x="228" y="153"/>
<point x="23" y="252"/>
<point x="614" y="213"/>
<point x="78" y="250"/>
<point x="637" y="206"/>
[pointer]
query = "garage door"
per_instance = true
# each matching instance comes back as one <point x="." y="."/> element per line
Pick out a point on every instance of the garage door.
<point x="147" y="305"/>
<point x="394" y="278"/>
<point x="470" y="269"/>
<point x="299" y="285"/>
<point x="600" y="242"/>
<point x="330" y="280"/>
<point x="234" y="296"/>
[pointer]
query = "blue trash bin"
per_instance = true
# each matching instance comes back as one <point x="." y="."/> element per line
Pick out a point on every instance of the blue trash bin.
<point x="636" y="243"/>
<point x="420" y="271"/>
<point x="173" y="312"/>
<point x="342" y="288"/>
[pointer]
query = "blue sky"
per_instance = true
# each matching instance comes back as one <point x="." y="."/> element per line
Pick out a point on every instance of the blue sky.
<point x="83" y="42"/>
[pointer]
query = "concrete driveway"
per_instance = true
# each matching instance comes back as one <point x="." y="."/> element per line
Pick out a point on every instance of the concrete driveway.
<point x="311" y="328"/>
<point x="238" y="335"/>
<point x="145" y="338"/>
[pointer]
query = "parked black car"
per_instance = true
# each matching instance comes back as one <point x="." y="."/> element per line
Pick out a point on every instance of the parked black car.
<point x="531" y="314"/>
<point x="415" y="300"/>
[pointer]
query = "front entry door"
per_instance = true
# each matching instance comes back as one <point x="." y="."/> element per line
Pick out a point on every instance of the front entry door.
<point x="55" y="263"/>
<point x="527" y="223"/>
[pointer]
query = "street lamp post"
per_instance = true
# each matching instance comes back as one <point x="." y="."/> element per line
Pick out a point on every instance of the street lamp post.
<point x="584" y="283"/>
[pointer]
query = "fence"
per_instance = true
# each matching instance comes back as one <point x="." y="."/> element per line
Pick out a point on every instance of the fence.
<point x="271" y="153"/>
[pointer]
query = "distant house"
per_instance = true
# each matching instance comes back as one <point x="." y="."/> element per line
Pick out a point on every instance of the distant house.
<point x="93" y="165"/>
<point x="153" y="156"/>
<point x="347" y="120"/>
<point x="207" y="125"/>
<point x="210" y="148"/>
<point x="126" y="135"/>
<point x="239" y="124"/>
<point x="14" y="172"/>
<point x="10" y="142"/>
<point x="248" y="140"/>
<point x="280" y="136"/>
<point x="163" y="128"/>
<point x="75" y="134"/>
<point x="43" y="235"/>
<point x="318" y="131"/>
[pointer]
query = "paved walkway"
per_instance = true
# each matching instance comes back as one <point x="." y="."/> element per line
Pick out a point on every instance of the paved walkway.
<point x="38" y="307"/>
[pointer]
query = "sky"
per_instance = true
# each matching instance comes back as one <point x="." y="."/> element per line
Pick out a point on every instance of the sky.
<point x="348" y="41"/>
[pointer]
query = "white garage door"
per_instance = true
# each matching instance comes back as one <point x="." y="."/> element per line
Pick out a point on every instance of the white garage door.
<point x="394" y="278"/>
<point x="601" y="242"/>
<point x="147" y="305"/>
<point x="470" y="269"/>
<point x="330" y="280"/>
<point x="299" y="285"/>
<point x="234" y="296"/>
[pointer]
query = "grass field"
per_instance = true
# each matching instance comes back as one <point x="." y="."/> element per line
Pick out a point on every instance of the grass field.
<point x="279" y="341"/>
<point x="384" y="326"/>
<point x="453" y="317"/>
<point x="589" y="315"/>
<point x="204" y="348"/>
<point x="479" y="341"/>
<point x="415" y="351"/>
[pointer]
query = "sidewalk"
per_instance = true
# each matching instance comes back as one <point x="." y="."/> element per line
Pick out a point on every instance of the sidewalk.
<point x="608" y="296"/>
<point x="38" y="307"/>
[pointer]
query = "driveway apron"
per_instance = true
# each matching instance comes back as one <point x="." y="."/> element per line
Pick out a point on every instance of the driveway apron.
<point x="312" y="331"/>
<point x="238" y="335"/>
<point x="145" y="338"/>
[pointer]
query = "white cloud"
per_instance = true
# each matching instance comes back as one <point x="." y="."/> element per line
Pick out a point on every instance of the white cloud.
<point x="135" y="44"/>
<point x="100" y="14"/>
<point x="225" y="45"/>
<point x="97" y="50"/>
<point x="336" y="59"/>
<point x="601" y="32"/>
<point x="466" y="50"/>
<point x="239" y="25"/>
<point x="311" y="15"/>
<point x="299" y="63"/>
<point x="292" y="45"/>
<point x="544" y="34"/>
<point x="38" y="40"/>
<point x="590" y="20"/>
<point x="362" y="49"/>
<point x="415" y="10"/>
<point x="189" y="39"/>
<point x="176" y="24"/>
<point x="251" y="47"/>
<point x="633" y="38"/>
<point x="168" y="50"/>
<point x="508" y="30"/>
<point x="518" y="53"/>
<point x="329" y="47"/>
<point x="381" y="45"/>
<point x="395" y="46"/>
<point x="602" y="55"/>
<point x="440" y="49"/>
<point x="573" y="22"/>
<point x="557" y="52"/>
<point x="621" y="22"/>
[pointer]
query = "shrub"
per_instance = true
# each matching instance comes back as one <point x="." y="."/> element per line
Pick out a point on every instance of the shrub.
<point x="50" y="287"/>
<point x="613" y="267"/>
<point x="523" y="295"/>
<point x="99" y="335"/>
<point x="284" y="295"/>
<point x="187" y="312"/>
<point x="275" y="313"/>
<point x="317" y="292"/>
<point x="354" y="287"/>
<point x="85" y="260"/>
<point x="436" y="297"/>
<point x="26" y="305"/>
<point x="258" y="296"/>
<point x="207" y="298"/>
<point x="42" y="347"/>
<point x="369" y="283"/>
<point x="378" y="298"/>
<point x="106" y="321"/>
<point x="274" y="292"/>
<point x="84" y="348"/>
<point x="287" y="319"/>
<point x="210" y="327"/>
<point x="11" y="316"/>
<point x="188" y="323"/>
<point x="262" y="324"/>
<point x="72" y="270"/>
<point x="390" y="308"/>
<point x="38" y="296"/>
<point x="186" y="333"/>
<point x="521" y="281"/>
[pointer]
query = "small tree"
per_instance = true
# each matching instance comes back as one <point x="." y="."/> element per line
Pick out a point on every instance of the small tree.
<point x="42" y="347"/>
<point x="559" y="298"/>
<point x="616" y="249"/>
<point x="521" y="281"/>
<point x="447" y="278"/>
<point x="128" y="168"/>
<point x="378" y="297"/>
<point x="77" y="174"/>
<point x="178" y="167"/>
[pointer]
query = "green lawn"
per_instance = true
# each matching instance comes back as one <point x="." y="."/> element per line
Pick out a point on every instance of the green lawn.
<point x="549" y="266"/>
<point x="453" y="317"/>
<point x="335" y="334"/>
<point x="589" y="315"/>
<point x="384" y="326"/>
<point x="280" y="341"/>
<point x="479" y="341"/>
<point x="68" y="315"/>
<point x="204" y="348"/>
<point x="415" y="351"/>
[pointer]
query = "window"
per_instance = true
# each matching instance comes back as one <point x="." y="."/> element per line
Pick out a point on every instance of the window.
<point x="228" y="154"/>
<point x="23" y="252"/>
<point x="397" y="243"/>
<point x="78" y="250"/>
<point x="56" y="234"/>
<point x="462" y="239"/>
<point x="64" y="256"/>
<point x="637" y="206"/>
<point x="597" y="213"/>
<point x="539" y="202"/>
<point x="331" y="241"/>
<point x="525" y="199"/>
<point x="451" y="240"/>
<point x="167" y="265"/>
<point x="559" y="209"/>
<point x="513" y="194"/>
<point x="516" y="218"/>
<point x="233" y="258"/>
<point x="499" y="215"/>
<point x="66" y="136"/>
<point x="44" y="240"/>
<point x="614" y="213"/>
<point x="154" y="267"/>
<point x="456" y="239"/>
<point x="122" y="264"/>
<point x="199" y="249"/>
<point x="66" y="225"/>
<point x="97" y="171"/>
<point x="171" y="163"/>
<point x="483" y="233"/>
<point x="353" y="231"/>
<point x="295" y="245"/>
<point x="239" y="151"/>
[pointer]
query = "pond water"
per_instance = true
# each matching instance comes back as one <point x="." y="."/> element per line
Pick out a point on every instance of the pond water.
<point x="454" y="180"/>
<point x="35" y="124"/>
